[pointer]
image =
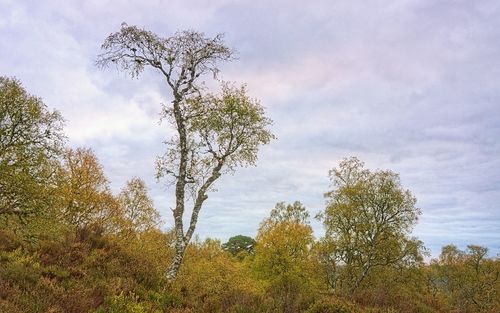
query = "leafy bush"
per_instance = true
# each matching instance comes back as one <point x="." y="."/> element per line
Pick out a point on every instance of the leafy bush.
<point x="332" y="305"/>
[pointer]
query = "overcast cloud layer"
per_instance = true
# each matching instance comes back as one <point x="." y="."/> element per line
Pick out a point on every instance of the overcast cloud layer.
<point x="411" y="86"/>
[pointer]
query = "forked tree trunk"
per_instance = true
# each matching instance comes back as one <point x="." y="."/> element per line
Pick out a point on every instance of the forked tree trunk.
<point x="181" y="239"/>
<point x="181" y="59"/>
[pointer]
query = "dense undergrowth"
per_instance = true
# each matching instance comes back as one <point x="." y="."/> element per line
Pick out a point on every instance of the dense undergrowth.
<point x="88" y="271"/>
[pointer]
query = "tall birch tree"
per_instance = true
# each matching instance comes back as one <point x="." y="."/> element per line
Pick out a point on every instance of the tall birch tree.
<point x="214" y="132"/>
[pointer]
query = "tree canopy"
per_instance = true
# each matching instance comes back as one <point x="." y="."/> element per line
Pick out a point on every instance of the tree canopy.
<point x="31" y="139"/>
<point x="368" y="220"/>
<point x="138" y="207"/>
<point x="238" y="244"/>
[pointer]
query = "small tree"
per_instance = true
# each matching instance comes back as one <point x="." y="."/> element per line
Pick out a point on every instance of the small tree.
<point x="85" y="197"/>
<point x="238" y="244"/>
<point x="137" y="206"/>
<point x="31" y="139"/>
<point x="469" y="278"/>
<point x="214" y="132"/>
<point x="282" y="254"/>
<point x="284" y="240"/>
<point x="368" y="220"/>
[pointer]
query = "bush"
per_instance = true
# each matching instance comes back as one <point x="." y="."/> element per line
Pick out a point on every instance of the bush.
<point x="332" y="305"/>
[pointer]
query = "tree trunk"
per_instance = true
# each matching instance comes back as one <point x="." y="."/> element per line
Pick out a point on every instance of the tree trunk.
<point x="180" y="244"/>
<point x="175" y="265"/>
<point x="181" y="240"/>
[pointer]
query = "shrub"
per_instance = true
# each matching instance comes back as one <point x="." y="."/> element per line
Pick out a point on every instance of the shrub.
<point x="332" y="305"/>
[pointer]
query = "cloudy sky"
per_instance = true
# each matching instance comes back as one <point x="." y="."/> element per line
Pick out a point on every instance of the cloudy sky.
<point x="411" y="86"/>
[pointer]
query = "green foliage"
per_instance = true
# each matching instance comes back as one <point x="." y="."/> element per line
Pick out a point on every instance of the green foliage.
<point x="152" y="302"/>
<point x="368" y="219"/>
<point x="238" y="244"/>
<point x="138" y="209"/>
<point x="231" y="126"/>
<point x="85" y="273"/>
<point x="120" y="303"/>
<point x="283" y="241"/>
<point x="291" y="213"/>
<point x="282" y="256"/>
<point x="213" y="281"/>
<point x="469" y="279"/>
<point x="85" y="197"/>
<point x="332" y="305"/>
<point x="30" y="141"/>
